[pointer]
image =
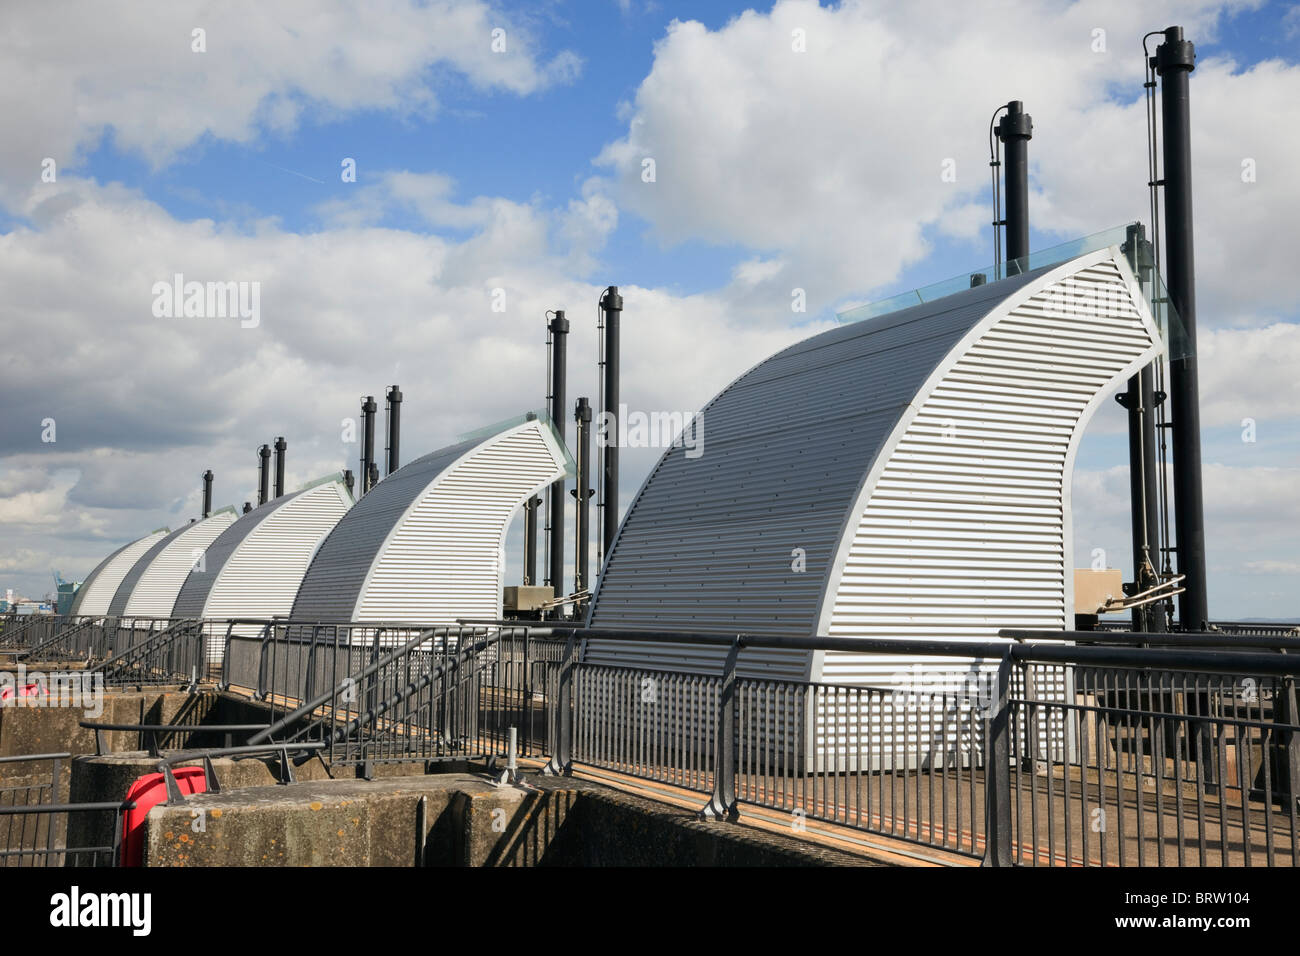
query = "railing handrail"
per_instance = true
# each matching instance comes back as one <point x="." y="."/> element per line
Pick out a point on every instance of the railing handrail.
<point x="69" y="808"/>
<point x="309" y="706"/>
<point x="56" y="637"/>
<point x="22" y="758"/>
<point x="152" y="642"/>
<point x="1207" y="639"/>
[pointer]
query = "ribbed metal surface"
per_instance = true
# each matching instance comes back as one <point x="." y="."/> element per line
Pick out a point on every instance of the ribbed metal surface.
<point x="127" y="585"/>
<point x="966" y="528"/>
<point x="709" y="543"/>
<point x="98" y="591"/>
<point x="426" y="544"/>
<point x="87" y="584"/>
<point x="161" y="573"/>
<point x="967" y="524"/>
<point x="198" y="584"/>
<point x="261" y="578"/>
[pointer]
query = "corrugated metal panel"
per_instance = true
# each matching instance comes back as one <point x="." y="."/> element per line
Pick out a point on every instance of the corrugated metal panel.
<point x="198" y="585"/>
<point x="123" y="593"/>
<point x="332" y="585"/>
<point x="86" y="584"/>
<point x="154" y="593"/>
<point x="966" y="527"/>
<point x="708" y="544"/>
<point x="96" y="594"/>
<point x="445" y="559"/>
<point x="413" y="545"/>
<point x="262" y="576"/>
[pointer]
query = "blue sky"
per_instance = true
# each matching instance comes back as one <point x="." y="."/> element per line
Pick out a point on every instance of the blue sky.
<point x="540" y="147"/>
<point x="821" y="175"/>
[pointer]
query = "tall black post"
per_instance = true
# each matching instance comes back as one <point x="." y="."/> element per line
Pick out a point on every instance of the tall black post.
<point x="207" y="493"/>
<point x="1175" y="60"/>
<point x="280" y="447"/>
<point x="530" y="539"/>
<point x="1016" y="129"/>
<point x="263" y="474"/>
<point x="368" y="409"/>
<point x="1139" y="401"/>
<point x="559" y="327"/>
<point x="582" y="496"/>
<point x="393" y="404"/>
<point x="611" y="303"/>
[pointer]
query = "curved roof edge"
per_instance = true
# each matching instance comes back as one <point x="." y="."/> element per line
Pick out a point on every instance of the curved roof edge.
<point x="107" y="576"/>
<point x="336" y="581"/>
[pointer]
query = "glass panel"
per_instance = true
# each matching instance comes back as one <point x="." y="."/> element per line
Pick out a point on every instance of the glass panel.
<point x="541" y="415"/>
<point x="336" y="476"/>
<point x="1153" y="288"/>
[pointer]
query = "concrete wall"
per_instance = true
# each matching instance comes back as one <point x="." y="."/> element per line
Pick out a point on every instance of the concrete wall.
<point x="456" y="820"/>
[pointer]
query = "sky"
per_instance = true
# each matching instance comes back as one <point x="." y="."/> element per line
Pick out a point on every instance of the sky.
<point x="409" y="187"/>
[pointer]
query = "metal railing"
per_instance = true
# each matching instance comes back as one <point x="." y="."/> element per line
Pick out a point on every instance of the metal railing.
<point x="1078" y="748"/>
<point x="154" y="738"/>
<point x="1039" y="754"/>
<point x="34" y="820"/>
<point x="88" y="638"/>
<point x="173" y="655"/>
<point x="21" y="632"/>
<point x="446" y="693"/>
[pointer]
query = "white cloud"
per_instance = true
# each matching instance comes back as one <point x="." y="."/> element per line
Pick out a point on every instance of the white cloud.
<point x="829" y="161"/>
<point x="1249" y="373"/>
<point x="69" y="73"/>
<point x="822" y="166"/>
<point x="143" y="405"/>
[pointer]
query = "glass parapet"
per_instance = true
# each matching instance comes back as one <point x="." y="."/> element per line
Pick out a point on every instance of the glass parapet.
<point x="1153" y="288"/>
<point x="540" y="415"/>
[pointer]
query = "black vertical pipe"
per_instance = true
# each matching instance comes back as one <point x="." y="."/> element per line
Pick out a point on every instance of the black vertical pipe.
<point x="559" y="327"/>
<point x="611" y="303"/>
<point x="530" y="539"/>
<point x="207" y="493"/>
<point x="280" y="447"/>
<point x="394" y="405"/>
<point x="1139" y="400"/>
<point x="1175" y="60"/>
<point x="582" y="496"/>
<point x="1131" y="399"/>
<point x="349" y="480"/>
<point x="263" y="474"/>
<point x="368" y="409"/>
<point x="1016" y="129"/>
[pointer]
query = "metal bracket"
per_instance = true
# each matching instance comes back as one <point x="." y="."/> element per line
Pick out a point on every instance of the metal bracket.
<point x="561" y="762"/>
<point x="722" y="804"/>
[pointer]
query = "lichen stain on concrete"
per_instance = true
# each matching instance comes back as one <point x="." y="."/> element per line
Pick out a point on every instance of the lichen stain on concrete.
<point x="315" y="804"/>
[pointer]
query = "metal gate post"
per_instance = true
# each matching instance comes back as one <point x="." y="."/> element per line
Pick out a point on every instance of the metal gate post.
<point x="997" y="771"/>
<point x="722" y="805"/>
<point x="561" y="762"/>
<point x="1290" y="749"/>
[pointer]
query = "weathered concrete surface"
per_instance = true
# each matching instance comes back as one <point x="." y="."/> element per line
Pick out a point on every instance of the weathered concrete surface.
<point x="446" y="818"/>
<point x="97" y="779"/>
<point x="457" y="820"/>
<point x="579" y="823"/>
<point x="52" y="727"/>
